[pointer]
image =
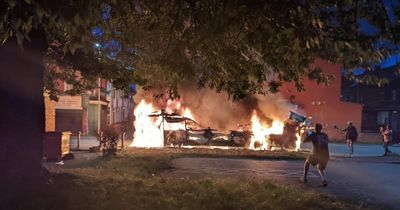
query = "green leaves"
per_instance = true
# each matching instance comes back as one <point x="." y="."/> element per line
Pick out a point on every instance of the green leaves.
<point x="274" y="86"/>
<point x="235" y="46"/>
<point x="12" y="3"/>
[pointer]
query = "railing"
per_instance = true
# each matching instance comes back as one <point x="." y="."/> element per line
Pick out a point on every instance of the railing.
<point x="79" y="137"/>
<point x="103" y="97"/>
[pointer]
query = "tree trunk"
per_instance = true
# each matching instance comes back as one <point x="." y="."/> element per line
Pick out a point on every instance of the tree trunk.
<point x="22" y="120"/>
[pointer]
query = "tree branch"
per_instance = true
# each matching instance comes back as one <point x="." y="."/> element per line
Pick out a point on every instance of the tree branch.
<point x="387" y="18"/>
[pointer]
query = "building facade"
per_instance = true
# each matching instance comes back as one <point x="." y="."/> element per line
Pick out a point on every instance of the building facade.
<point x="381" y="105"/>
<point x="88" y="112"/>
<point x="323" y="104"/>
<point x="121" y="106"/>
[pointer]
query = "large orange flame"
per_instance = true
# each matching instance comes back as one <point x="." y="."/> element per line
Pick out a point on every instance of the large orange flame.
<point x="149" y="130"/>
<point x="261" y="133"/>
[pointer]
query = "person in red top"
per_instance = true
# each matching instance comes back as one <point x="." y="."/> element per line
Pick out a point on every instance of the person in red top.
<point x="320" y="154"/>
<point x="387" y="135"/>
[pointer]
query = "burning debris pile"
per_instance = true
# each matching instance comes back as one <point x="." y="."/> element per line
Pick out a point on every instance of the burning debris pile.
<point x="204" y="117"/>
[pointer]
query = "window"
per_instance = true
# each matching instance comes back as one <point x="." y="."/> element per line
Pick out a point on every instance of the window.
<point x="383" y="118"/>
<point x="68" y="86"/>
<point x="113" y="116"/>
<point x="393" y="96"/>
<point x="362" y="99"/>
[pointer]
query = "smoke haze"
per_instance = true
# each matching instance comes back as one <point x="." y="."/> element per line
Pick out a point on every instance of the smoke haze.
<point x="216" y="110"/>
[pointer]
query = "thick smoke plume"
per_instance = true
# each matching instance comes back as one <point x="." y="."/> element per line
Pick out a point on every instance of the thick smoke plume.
<point x="216" y="110"/>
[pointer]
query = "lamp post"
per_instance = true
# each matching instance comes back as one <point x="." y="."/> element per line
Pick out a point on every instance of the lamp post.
<point x="98" y="47"/>
<point x="98" y="107"/>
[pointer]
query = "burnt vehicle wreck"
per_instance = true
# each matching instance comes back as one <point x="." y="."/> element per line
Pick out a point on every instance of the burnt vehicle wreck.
<point x="295" y="127"/>
<point x="179" y="130"/>
<point x="183" y="131"/>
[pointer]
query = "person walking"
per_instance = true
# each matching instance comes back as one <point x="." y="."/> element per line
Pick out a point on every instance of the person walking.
<point x="351" y="137"/>
<point x="387" y="135"/>
<point x="320" y="154"/>
<point x="381" y="129"/>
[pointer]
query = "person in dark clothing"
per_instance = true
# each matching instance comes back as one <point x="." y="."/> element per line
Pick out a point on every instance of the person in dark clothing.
<point x="351" y="136"/>
<point x="208" y="133"/>
<point x="319" y="156"/>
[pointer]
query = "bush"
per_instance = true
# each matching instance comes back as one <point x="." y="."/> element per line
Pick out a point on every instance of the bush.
<point x="109" y="141"/>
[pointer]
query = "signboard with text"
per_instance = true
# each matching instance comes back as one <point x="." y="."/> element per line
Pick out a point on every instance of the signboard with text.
<point x="69" y="102"/>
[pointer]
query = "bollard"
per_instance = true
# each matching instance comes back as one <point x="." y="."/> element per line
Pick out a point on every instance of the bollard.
<point x="122" y="140"/>
<point x="78" y="143"/>
<point x="101" y="138"/>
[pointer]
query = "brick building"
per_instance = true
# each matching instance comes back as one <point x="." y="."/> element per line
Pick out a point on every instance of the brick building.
<point x="323" y="103"/>
<point x="381" y="105"/>
<point x="88" y="112"/>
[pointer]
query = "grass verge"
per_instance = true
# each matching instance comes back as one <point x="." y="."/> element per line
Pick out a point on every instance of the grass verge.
<point x="218" y="152"/>
<point x="132" y="181"/>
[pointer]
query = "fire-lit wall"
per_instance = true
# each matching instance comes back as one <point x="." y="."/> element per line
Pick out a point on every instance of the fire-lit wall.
<point x="50" y="113"/>
<point x="323" y="103"/>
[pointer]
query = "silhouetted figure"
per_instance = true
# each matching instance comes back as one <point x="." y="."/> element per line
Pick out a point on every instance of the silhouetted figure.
<point x="319" y="156"/>
<point x="351" y="136"/>
<point x="381" y="129"/>
<point x="208" y="133"/>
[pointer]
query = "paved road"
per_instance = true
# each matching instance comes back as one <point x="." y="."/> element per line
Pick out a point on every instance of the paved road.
<point x="360" y="150"/>
<point x="362" y="179"/>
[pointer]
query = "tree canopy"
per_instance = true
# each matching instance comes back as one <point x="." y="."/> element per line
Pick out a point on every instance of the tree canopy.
<point x="241" y="47"/>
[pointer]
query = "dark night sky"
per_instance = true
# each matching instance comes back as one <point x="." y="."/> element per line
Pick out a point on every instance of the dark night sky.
<point x="369" y="29"/>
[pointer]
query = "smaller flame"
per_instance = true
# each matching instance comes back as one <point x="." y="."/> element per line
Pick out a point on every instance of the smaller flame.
<point x="298" y="142"/>
<point x="172" y="106"/>
<point x="187" y="113"/>
<point x="298" y="138"/>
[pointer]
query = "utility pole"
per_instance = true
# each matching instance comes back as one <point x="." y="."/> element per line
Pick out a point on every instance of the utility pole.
<point x="98" y="46"/>
<point x="112" y="93"/>
<point x="98" y="106"/>
<point x="163" y="131"/>
<point x="78" y="143"/>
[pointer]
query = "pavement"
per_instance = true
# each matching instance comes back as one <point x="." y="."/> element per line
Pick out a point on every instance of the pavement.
<point x="80" y="153"/>
<point x="360" y="150"/>
<point x="79" y="158"/>
<point x="90" y="141"/>
<point x="85" y="143"/>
